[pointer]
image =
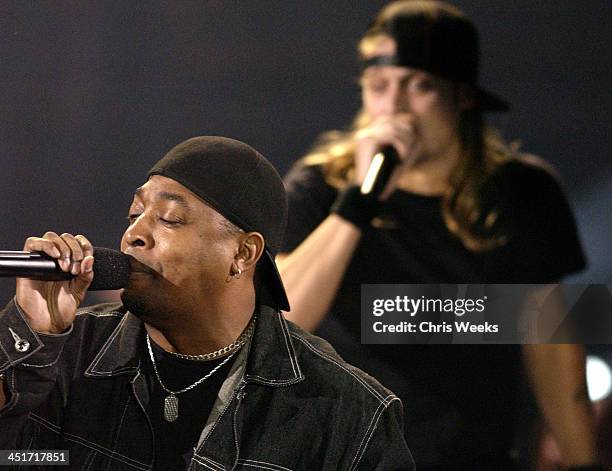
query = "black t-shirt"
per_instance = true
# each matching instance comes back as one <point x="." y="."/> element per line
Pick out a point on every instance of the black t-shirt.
<point x="174" y="441"/>
<point x="459" y="400"/>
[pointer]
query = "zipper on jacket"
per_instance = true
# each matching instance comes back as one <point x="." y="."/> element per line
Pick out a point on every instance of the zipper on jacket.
<point x="144" y="411"/>
<point x="240" y="395"/>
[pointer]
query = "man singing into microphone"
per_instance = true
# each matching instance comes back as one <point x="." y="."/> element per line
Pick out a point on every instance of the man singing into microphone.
<point x="197" y="368"/>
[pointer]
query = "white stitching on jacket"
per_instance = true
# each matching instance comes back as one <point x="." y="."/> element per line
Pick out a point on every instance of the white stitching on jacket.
<point x="102" y="352"/>
<point x="373" y="424"/>
<point x="286" y="382"/>
<point x="127" y="403"/>
<point x="50" y="425"/>
<point x="106" y="451"/>
<point x="274" y="467"/>
<point x="311" y="347"/>
<point x="294" y="364"/>
<point x="198" y="459"/>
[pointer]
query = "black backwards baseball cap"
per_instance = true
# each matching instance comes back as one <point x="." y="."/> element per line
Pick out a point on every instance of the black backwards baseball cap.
<point x="241" y="185"/>
<point x="436" y="37"/>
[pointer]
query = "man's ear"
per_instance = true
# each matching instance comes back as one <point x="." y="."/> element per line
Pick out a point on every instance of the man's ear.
<point x="250" y="249"/>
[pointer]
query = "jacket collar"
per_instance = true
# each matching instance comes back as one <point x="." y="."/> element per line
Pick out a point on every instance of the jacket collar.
<point x="120" y="354"/>
<point x="271" y="361"/>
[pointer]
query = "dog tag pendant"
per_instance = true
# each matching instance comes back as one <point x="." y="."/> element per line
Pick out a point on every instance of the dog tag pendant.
<point x="171" y="408"/>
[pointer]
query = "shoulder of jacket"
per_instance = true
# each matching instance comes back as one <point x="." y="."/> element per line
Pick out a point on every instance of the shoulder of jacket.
<point x="319" y="359"/>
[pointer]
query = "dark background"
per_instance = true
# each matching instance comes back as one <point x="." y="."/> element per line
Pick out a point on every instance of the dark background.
<point x="94" y="92"/>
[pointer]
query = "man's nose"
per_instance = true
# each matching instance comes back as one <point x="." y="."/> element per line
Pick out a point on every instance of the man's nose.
<point x="139" y="233"/>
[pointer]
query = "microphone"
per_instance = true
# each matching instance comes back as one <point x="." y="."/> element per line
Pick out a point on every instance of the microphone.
<point x="111" y="268"/>
<point x="380" y="170"/>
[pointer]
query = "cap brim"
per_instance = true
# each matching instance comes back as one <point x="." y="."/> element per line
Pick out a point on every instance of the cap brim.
<point x="490" y="102"/>
<point x="274" y="283"/>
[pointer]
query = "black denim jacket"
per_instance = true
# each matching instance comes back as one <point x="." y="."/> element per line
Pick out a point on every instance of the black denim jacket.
<point x="289" y="402"/>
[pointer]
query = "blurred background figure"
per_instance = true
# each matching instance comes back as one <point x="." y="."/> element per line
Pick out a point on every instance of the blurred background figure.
<point x="462" y="206"/>
<point x="87" y="85"/>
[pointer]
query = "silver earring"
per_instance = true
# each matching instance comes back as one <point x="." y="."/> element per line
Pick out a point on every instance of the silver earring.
<point x="234" y="273"/>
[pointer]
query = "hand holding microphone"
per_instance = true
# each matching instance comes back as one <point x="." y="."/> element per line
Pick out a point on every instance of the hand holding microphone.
<point x="379" y="172"/>
<point x="381" y="149"/>
<point x="389" y="139"/>
<point x="61" y="271"/>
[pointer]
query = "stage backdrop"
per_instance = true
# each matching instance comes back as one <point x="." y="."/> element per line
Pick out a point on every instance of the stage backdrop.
<point x="94" y="92"/>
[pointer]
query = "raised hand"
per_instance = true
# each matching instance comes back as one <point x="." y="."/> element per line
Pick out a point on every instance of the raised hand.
<point x="50" y="306"/>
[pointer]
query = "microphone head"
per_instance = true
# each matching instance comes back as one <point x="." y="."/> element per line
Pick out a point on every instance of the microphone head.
<point x="111" y="269"/>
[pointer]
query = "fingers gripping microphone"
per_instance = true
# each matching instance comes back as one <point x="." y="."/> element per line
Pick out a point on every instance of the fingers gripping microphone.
<point x="111" y="268"/>
<point x="379" y="171"/>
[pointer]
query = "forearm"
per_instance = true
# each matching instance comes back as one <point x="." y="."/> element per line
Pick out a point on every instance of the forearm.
<point x="558" y="377"/>
<point x="312" y="273"/>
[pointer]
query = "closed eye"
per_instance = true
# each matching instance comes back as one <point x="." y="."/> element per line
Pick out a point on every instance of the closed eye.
<point x="170" y="222"/>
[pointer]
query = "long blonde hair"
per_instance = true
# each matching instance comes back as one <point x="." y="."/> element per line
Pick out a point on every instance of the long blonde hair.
<point x="467" y="215"/>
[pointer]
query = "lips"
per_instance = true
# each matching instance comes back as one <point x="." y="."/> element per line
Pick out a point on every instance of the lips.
<point x="140" y="268"/>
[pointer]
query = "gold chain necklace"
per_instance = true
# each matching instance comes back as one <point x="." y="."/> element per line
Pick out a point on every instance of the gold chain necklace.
<point x="232" y="347"/>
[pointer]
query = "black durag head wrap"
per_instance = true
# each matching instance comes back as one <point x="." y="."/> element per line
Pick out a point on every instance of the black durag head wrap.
<point x="241" y="185"/>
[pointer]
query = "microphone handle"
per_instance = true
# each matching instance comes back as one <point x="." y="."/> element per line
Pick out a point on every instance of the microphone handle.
<point x="33" y="265"/>
<point x="380" y="170"/>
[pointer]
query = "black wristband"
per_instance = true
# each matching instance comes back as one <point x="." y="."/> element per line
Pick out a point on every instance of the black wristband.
<point x="355" y="207"/>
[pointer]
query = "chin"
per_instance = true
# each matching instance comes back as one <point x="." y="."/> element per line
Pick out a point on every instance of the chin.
<point x="138" y="303"/>
<point x="150" y="308"/>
